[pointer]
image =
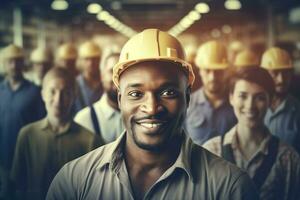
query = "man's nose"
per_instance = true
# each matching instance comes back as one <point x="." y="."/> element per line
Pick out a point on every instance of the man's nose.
<point x="151" y="105"/>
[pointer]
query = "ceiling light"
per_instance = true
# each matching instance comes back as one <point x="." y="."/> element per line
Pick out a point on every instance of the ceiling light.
<point x="59" y="5"/>
<point x="194" y="15"/>
<point x="103" y="16"/>
<point x="202" y="8"/>
<point x="94" y="8"/>
<point x="215" y="33"/>
<point x="226" y="29"/>
<point x="232" y="5"/>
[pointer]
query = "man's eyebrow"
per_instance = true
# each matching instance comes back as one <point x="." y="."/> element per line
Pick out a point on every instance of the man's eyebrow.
<point x="133" y="85"/>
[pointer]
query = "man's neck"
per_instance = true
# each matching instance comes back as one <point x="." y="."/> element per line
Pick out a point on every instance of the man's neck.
<point x="277" y="100"/>
<point x="15" y="83"/>
<point x="215" y="99"/>
<point x="58" y="125"/>
<point x="145" y="167"/>
<point x="92" y="81"/>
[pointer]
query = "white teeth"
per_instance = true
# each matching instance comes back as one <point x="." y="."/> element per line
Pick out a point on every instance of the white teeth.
<point x="150" y="125"/>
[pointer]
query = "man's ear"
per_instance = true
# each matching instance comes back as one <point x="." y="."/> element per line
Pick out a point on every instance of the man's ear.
<point x="188" y="95"/>
<point x="119" y="98"/>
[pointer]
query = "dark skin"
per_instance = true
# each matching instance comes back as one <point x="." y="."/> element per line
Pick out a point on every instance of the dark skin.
<point x="153" y="104"/>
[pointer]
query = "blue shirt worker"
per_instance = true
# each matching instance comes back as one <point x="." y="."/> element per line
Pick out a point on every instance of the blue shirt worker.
<point x="153" y="158"/>
<point x="209" y="113"/>
<point x="20" y="103"/>
<point x="104" y="117"/>
<point x="89" y="80"/>
<point x="283" y="116"/>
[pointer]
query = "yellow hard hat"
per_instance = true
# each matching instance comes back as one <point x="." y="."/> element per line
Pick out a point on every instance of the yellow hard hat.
<point x="276" y="58"/>
<point x="190" y="51"/>
<point x="246" y="58"/>
<point x="212" y="55"/>
<point x="149" y="45"/>
<point x="13" y="51"/>
<point x="40" y="55"/>
<point x="89" y="49"/>
<point x="67" y="51"/>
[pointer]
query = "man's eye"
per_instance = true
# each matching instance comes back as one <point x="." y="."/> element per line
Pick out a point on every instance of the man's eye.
<point x="135" y="94"/>
<point x="242" y="96"/>
<point x="169" y="93"/>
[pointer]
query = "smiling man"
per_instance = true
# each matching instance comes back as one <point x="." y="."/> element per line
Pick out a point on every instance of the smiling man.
<point x="153" y="158"/>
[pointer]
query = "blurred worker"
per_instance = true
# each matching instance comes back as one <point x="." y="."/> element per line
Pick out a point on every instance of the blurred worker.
<point x="90" y="87"/>
<point x="191" y="51"/>
<point x="153" y="159"/>
<point x="104" y="117"/>
<point x="20" y="104"/>
<point x="246" y="58"/>
<point x="273" y="165"/>
<point x="41" y="60"/>
<point x="283" y="116"/>
<point x="209" y="113"/>
<point x="43" y="147"/>
<point x="66" y="58"/>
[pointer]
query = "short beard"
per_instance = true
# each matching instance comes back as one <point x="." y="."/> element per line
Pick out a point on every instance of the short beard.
<point x="168" y="140"/>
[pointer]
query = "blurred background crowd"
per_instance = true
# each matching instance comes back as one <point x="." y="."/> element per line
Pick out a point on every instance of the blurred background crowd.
<point x="83" y="38"/>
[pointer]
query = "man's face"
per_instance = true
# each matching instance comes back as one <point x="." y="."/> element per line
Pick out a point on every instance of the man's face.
<point x="153" y="100"/>
<point x="14" y="67"/>
<point x="250" y="102"/>
<point x="282" y="80"/>
<point x="58" y="96"/>
<point x="212" y="80"/>
<point x="107" y="82"/>
<point x="90" y="66"/>
<point x="41" y="68"/>
<point x="69" y="64"/>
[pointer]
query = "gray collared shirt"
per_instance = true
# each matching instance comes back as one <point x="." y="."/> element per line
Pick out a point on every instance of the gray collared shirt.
<point x="196" y="174"/>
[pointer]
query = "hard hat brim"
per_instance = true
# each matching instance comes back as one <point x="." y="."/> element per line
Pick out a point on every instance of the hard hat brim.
<point x="122" y="66"/>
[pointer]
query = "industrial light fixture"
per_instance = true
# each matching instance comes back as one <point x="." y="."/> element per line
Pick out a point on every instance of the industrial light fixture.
<point x="59" y="5"/>
<point x="189" y="19"/>
<point x="115" y="24"/>
<point x="226" y="29"/>
<point x="202" y="8"/>
<point x="94" y="8"/>
<point x="232" y="5"/>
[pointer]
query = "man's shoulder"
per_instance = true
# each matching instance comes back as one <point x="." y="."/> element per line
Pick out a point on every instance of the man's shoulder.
<point x="89" y="162"/>
<point x="33" y="128"/>
<point x="216" y="168"/>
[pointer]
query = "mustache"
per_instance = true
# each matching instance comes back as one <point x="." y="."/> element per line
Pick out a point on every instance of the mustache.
<point x="158" y="116"/>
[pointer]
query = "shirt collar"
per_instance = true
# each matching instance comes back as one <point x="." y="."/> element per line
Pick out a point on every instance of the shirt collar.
<point x="231" y="138"/>
<point x="45" y="125"/>
<point x="286" y="104"/>
<point x="24" y="82"/>
<point x="113" y="155"/>
<point x="108" y="111"/>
